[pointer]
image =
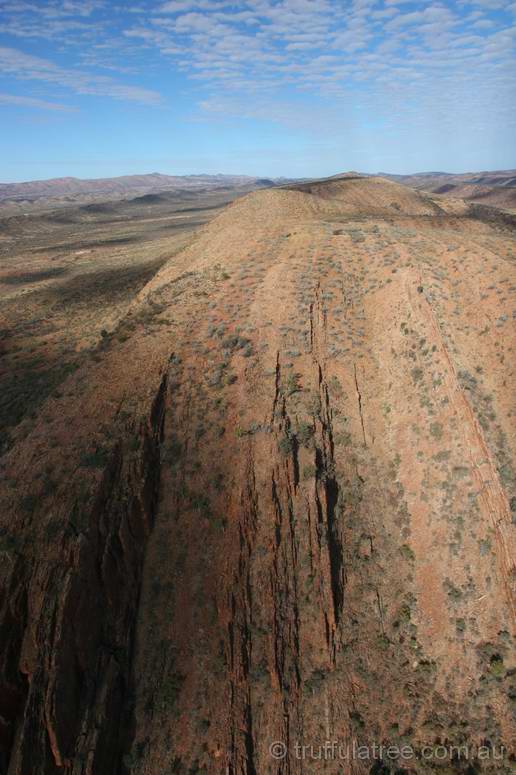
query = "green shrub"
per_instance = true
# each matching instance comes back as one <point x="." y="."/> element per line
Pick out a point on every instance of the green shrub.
<point x="496" y="666"/>
<point x="292" y="384"/>
<point x="96" y="459"/>
<point x="436" y="429"/>
<point x="286" y="445"/>
<point x="407" y="553"/>
<point x="305" y="434"/>
<point x="169" y="691"/>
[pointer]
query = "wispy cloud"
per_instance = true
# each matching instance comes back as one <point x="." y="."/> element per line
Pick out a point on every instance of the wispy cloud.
<point x="27" y="67"/>
<point x="33" y="102"/>
<point x="53" y="8"/>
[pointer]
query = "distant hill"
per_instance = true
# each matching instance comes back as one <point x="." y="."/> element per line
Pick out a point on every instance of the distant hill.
<point x="496" y="188"/>
<point x="31" y="191"/>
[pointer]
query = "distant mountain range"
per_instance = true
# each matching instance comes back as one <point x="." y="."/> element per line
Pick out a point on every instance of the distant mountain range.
<point x="497" y="188"/>
<point x="32" y="191"/>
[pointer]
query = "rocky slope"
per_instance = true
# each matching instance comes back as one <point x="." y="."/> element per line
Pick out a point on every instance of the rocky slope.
<point x="276" y="506"/>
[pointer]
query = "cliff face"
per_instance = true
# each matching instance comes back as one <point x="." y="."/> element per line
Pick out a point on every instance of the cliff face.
<point x="277" y="507"/>
<point x="68" y="614"/>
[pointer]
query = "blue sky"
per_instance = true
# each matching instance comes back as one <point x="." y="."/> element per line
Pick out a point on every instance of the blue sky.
<point x="265" y="87"/>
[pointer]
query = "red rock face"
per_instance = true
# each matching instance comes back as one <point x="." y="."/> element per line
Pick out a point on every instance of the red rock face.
<point x="280" y="537"/>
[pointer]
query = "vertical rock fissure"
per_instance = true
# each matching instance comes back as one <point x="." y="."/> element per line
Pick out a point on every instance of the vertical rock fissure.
<point x="359" y="398"/>
<point x="150" y="491"/>
<point x="13" y="684"/>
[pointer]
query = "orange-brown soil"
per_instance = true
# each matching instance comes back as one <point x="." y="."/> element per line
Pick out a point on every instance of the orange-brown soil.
<point x="276" y="504"/>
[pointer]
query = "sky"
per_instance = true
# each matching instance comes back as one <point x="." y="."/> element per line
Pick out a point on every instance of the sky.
<point x="95" y="88"/>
